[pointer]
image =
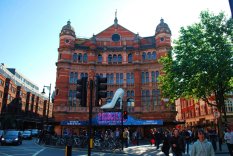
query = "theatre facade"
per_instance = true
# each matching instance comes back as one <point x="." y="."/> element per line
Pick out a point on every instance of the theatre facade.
<point x="128" y="60"/>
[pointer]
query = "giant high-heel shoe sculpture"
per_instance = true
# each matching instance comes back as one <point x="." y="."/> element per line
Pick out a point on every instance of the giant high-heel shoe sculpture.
<point x="118" y="94"/>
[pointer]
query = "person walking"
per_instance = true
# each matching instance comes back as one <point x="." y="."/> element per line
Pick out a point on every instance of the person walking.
<point x="202" y="147"/>
<point x="213" y="138"/>
<point x="166" y="143"/>
<point x="158" y="137"/>
<point x="187" y="138"/>
<point x="126" y="137"/>
<point x="228" y="137"/>
<point x="177" y="143"/>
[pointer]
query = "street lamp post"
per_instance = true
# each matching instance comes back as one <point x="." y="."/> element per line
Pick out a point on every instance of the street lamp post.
<point x="49" y="88"/>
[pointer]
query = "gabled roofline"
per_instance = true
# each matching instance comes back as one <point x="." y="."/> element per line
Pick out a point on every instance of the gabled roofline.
<point x="114" y="25"/>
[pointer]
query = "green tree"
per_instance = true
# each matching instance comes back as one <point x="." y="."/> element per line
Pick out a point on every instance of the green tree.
<point x="200" y="64"/>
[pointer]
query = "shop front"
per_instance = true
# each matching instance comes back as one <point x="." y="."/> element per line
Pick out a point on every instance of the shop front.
<point x="106" y="121"/>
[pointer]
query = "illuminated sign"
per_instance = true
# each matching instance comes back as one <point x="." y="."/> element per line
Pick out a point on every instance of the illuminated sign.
<point x="109" y="118"/>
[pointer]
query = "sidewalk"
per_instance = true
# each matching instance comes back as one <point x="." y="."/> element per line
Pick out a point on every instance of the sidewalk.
<point x="146" y="149"/>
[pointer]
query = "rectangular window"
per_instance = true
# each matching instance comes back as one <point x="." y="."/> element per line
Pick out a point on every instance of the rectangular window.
<point x="147" y="77"/>
<point x="117" y="78"/>
<point x="121" y="78"/>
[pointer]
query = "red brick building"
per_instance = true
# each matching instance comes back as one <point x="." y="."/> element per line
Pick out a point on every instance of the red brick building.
<point x="2" y="86"/>
<point x="199" y="113"/>
<point x="21" y="105"/>
<point x="128" y="60"/>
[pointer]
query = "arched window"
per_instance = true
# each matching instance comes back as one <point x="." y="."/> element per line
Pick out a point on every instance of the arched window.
<point x="114" y="58"/>
<point x="149" y="56"/>
<point x="80" y="57"/>
<point x="154" y="55"/>
<point x="119" y="58"/>
<point x="100" y="58"/>
<point x="143" y="56"/>
<point x="109" y="58"/>
<point x="75" y="57"/>
<point x="85" y="58"/>
<point x="130" y="58"/>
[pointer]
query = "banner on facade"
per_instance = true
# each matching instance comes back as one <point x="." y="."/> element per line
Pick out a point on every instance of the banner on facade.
<point x="112" y="118"/>
<point x="72" y="123"/>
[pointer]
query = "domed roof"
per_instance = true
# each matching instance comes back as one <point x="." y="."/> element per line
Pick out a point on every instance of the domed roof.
<point x="162" y="27"/>
<point x="67" y="30"/>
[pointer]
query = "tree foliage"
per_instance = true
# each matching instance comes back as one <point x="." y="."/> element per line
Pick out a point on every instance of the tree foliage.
<point x="200" y="64"/>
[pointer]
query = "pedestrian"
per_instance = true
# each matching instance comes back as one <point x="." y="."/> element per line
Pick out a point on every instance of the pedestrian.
<point x="126" y="137"/>
<point x="202" y="147"/>
<point x="228" y="137"/>
<point x="151" y="136"/>
<point x="213" y="138"/>
<point x="158" y="137"/>
<point x="117" y="134"/>
<point x="166" y="143"/>
<point x="177" y="143"/>
<point x="138" y="136"/>
<point x="187" y="138"/>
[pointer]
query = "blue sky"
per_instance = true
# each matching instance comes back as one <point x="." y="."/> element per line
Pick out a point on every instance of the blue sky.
<point x="30" y="29"/>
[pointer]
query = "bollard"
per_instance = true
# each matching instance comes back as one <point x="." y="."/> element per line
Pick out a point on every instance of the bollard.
<point x="91" y="143"/>
<point x="68" y="151"/>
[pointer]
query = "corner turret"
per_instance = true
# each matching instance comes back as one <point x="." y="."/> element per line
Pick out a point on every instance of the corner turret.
<point x="162" y="35"/>
<point x="67" y="36"/>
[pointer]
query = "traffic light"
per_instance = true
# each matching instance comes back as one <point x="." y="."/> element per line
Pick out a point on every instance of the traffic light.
<point x="100" y="89"/>
<point x="125" y="115"/>
<point x="82" y="91"/>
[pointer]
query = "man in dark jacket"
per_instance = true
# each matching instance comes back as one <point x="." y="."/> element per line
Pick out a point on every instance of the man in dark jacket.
<point x="166" y="143"/>
<point x="177" y="143"/>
